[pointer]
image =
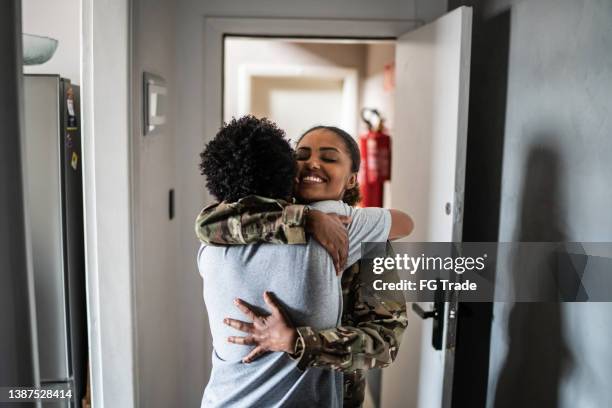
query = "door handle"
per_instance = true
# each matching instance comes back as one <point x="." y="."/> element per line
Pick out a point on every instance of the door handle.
<point x="437" y="314"/>
<point x="422" y="313"/>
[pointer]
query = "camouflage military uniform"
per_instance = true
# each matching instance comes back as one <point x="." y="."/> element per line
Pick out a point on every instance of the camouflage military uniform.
<point x="372" y="321"/>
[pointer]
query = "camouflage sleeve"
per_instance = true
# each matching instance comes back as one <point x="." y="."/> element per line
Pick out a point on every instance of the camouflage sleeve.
<point x="373" y="323"/>
<point x="251" y="219"/>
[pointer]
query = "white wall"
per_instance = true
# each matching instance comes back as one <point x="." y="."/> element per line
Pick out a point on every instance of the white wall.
<point x="297" y="104"/>
<point x="59" y="20"/>
<point x="192" y="89"/>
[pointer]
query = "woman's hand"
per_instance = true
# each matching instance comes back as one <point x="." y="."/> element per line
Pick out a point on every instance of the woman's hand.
<point x="273" y="332"/>
<point x="330" y="231"/>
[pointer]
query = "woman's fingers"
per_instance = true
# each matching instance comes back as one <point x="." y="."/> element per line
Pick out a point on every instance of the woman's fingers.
<point x="341" y="262"/>
<point x="345" y="219"/>
<point x="341" y="243"/>
<point x="244" y="341"/>
<point x="254" y="354"/>
<point x="246" y="309"/>
<point x="279" y="317"/>
<point x="338" y="250"/>
<point x="239" y="325"/>
<point x="330" y="231"/>
<point x="271" y="302"/>
<point x="336" y="260"/>
<point x="340" y="254"/>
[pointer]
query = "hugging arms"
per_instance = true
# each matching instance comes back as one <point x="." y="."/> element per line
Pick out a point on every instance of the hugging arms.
<point x="372" y="322"/>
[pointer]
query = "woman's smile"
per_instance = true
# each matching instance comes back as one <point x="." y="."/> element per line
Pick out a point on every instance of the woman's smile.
<point x="311" y="177"/>
<point x="312" y="180"/>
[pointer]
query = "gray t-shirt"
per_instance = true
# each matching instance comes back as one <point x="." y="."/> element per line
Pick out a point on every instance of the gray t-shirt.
<point x="304" y="280"/>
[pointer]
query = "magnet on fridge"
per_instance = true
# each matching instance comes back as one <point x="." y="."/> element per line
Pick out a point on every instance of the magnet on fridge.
<point x="68" y="140"/>
<point x="72" y="120"/>
<point x="74" y="161"/>
<point x="70" y="101"/>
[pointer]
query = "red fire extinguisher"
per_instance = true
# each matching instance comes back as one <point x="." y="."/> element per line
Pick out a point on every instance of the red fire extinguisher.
<point x="375" y="146"/>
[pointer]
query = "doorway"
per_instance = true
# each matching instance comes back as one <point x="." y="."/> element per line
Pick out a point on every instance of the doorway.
<point x="421" y="88"/>
<point x="299" y="83"/>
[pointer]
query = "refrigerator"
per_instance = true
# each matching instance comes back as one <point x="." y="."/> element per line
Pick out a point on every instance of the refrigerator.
<point x="54" y="203"/>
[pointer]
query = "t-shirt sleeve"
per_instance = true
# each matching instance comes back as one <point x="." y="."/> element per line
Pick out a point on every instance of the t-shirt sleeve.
<point x="368" y="225"/>
<point x="200" y="252"/>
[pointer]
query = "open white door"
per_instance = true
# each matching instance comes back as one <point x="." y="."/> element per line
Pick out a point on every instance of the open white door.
<point x="432" y="84"/>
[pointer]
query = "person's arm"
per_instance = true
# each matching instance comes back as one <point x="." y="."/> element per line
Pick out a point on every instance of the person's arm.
<point x="373" y="323"/>
<point x="259" y="219"/>
<point x="252" y="219"/>
<point x="401" y="225"/>
<point x="369" y="337"/>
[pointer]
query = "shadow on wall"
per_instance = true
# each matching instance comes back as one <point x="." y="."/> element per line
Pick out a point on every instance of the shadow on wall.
<point x="538" y="356"/>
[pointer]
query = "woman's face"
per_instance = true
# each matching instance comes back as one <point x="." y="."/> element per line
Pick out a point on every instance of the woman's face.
<point x="324" y="167"/>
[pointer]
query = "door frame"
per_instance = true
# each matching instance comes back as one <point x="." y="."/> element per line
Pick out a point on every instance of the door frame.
<point x="216" y="29"/>
<point x="108" y="188"/>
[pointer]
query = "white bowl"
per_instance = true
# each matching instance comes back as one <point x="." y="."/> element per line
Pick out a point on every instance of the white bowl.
<point x="37" y="49"/>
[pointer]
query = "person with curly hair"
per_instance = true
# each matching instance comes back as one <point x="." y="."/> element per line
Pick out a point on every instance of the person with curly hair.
<point x="249" y="156"/>
<point x="299" y="279"/>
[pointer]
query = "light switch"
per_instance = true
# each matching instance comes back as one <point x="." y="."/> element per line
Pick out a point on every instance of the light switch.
<point x="154" y="103"/>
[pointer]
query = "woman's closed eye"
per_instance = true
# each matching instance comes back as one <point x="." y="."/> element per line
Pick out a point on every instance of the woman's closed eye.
<point x="329" y="157"/>
<point x="302" y="154"/>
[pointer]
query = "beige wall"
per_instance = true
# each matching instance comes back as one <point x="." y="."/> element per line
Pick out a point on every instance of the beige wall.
<point x="274" y="53"/>
<point x="296" y="104"/>
<point x="373" y="94"/>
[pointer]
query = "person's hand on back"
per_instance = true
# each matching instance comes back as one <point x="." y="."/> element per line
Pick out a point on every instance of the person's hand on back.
<point x="273" y="332"/>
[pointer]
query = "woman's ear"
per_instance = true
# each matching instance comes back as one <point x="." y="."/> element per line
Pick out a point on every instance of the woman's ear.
<point x="352" y="181"/>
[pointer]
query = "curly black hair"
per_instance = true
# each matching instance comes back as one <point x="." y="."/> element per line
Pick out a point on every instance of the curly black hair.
<point x="249" y="156"/>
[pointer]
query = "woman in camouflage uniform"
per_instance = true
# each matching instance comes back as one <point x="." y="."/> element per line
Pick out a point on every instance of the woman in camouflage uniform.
<point x="373" y="322"/>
